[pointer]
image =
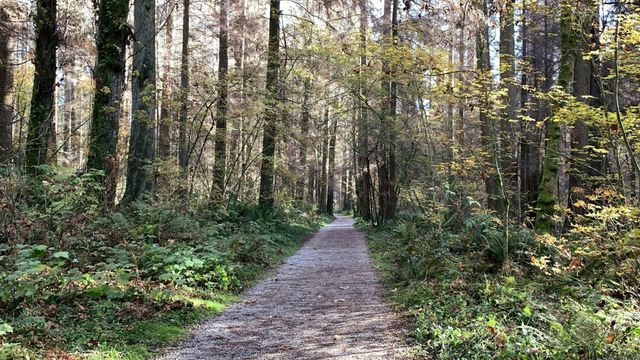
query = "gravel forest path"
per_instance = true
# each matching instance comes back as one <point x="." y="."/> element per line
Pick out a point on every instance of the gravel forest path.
<point x="325" y="302"/>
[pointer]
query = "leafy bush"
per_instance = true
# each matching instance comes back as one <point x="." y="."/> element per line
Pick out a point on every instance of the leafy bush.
<point x="486" y="233"/>
<point x="75" y="279"/>
<point x="465" y="307"/>
<point x="199" y="267"/>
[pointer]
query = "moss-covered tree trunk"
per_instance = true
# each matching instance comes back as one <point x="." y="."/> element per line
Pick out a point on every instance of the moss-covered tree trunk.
<point x="548" y="192"/>
<point x="41" y="118"/>
<point x="271" y="108"/>
<point x="6" y="84"/>
<point x="143" y="104"/>
<point x="217" y="192"/>
<point x="111" y="42"/>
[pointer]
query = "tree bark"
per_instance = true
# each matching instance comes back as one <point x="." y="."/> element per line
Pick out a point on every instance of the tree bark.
<point x="41" y="119"/>
<point x="6" y="86"/>
<point x="332" y="167"/>
<point x="488" y="131"/>
<point x="220" y="148"/>
<point x="143" y="104"/>
<point x="112" y="37"/>
<point x="304" y="135"/>
<point x="183" y="147"/>
<point x="166" y="118"/>
<point x="548" y="194"/>
<point x="363" y="182"/>
<point x="387" y="161"/>
<point x="271" y="108"/>
<point x="322" y="193"/>
<point x="507" y="77"/>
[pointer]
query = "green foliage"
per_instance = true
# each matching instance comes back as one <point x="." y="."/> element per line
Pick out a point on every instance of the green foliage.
<point x="118" y="285"/>
<point x="486" y="233"/>
<point x="200" y="266"/>
<point x="464" y="306"/>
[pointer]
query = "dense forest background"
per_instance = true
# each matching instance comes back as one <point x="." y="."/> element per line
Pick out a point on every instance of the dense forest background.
<point x="153" y="151"/>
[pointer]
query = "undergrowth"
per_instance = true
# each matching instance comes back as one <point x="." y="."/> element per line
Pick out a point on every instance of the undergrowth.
<point x="76" y="282"/>
<point x="572" y="297"/>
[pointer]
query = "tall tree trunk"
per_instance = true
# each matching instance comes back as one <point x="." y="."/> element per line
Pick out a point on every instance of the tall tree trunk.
<point x="322" y="193"/>
<point x="332" y="168"/>
<point x="304" y="135"/>
<point x="222" y="106"/>
<point x="387" y="164"/>
<point x="587" y="71"/>
<point x="507" y="77"/>
<point x="41" y="119"/>
<point x="244" y="157"/>
<point x="6" y="86"/>
<point x="69" y="115"/>
<point x="488" y="131"/>
<point x="111" y="42"/>
<point x="460" y="131"/>
<point x="143" y="104"/>
<point x="166" y="118"/>
<point x="271" y="108"/>
<point x="362" y="164"/>
<point x="542" y="58"/>
<point x="548" y="194"/>
<point x="522" y="146"/>
<point x="183" y="147"/>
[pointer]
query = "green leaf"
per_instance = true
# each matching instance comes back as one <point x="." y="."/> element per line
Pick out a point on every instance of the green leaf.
<point x="61" y="255"/>
<point x="527" y="311"/>
<point x="5" y="329"/>
<point x="38" y="251"/>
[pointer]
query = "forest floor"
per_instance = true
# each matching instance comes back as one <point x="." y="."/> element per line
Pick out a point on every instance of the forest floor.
<point x="326" y="301"/>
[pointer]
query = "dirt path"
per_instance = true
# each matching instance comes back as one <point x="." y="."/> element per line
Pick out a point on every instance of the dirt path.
<point x="324" y="302"/>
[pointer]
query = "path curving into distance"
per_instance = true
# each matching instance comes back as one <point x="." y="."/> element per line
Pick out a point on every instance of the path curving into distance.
<point x="325" y="302"/>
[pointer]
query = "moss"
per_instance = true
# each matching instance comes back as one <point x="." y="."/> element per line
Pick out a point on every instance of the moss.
<point x="548" y="191"/>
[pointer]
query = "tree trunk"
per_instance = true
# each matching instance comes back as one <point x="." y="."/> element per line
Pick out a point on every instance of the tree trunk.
<point x="507" y="77"/>
<point x="69" y="118"/>
<point x="332" y="168"/>
<point x="488" y="131"/>
<point x="548" y="194"/>
<point x="387" y="164"/>
<point x="362" y="165"/>
<point x="522" y="146"/>
<point x="41" y="119"/>
<point x="304" y="134"/>
<point x="143" y="104"/>
<point x="183" y="147"/>
<point x="243" y="156"/>
<point x="166" y="118"/>
<point x="222" y="106"/>
<point x="6" y="86"/>
<point x="322" y="193"/>
<point x="271" y="108"/>
<point x="111" y="42"/>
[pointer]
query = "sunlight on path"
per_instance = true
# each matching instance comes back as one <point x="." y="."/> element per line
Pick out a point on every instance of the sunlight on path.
<point x="325" y="302"/>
